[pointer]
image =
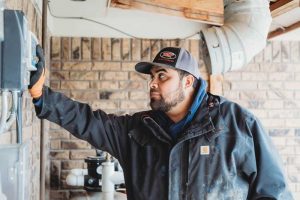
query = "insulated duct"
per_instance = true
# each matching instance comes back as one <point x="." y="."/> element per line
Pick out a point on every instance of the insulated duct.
<point x="243" y="35"/>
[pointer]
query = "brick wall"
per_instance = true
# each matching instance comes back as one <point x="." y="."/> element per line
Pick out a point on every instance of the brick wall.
<point x="100" y="71"/>
<point x="270" y="87"/>
<point x="31" y="125"/>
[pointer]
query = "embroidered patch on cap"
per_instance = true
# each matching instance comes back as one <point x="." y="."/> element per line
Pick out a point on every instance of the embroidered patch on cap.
<point x="204" y="150"/>
<point x="167" y="55"/>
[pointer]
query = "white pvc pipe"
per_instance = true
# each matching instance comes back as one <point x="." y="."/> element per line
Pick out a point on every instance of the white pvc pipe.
<point x="109" y="179"/>
<point x="75" y="180"/>
<point x="4" y="122"/>
<point x="13" y="112"/>
<point x="107" y="172"/>
<point x="4" y="110"/>
<point x="243" y="35"/>
<point x="117" y="178"/>
<point x="79" y="172"/>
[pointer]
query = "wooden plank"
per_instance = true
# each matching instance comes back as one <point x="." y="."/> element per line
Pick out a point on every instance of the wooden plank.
<point x="278" y="4"/>
<point x="281" y="31"/>
<point x="211" y="12"/>
<point x="283" y="6"/>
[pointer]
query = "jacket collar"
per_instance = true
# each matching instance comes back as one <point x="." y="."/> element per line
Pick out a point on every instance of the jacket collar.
<point x="207" y="122"/>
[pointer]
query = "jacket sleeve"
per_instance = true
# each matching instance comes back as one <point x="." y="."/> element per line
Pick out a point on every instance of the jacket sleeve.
<point x="104" y="131"/>
<point x="263" y="166"/>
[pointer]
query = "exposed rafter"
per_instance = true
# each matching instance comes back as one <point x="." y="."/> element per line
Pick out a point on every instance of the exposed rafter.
<point x="211" y="12"/>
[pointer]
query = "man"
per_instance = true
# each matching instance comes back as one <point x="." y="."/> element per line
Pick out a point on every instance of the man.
<point x="192" y="145"/>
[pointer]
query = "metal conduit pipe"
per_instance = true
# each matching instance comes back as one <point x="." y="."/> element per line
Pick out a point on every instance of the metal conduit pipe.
<point x="5" y="123"/>
<point x="243" y="35"/>
<point x="43" y="133"/>
<point x="4" y="111"/>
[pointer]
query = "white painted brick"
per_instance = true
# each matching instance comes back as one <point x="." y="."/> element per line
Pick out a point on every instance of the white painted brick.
<point x="295" y="51"/>
<point x="273" y="67"/>
<point x="293" y="141"/>
<point x="226" y="85"/>
<point x="270" y="85"/>
<point x="250" y="95"/>
<point x="244" y="85"/>
<point x="281" y="76"/>
<point x="276" y="54"/>
<point x="273" y="123"/>
<point x="292" y="85"/>
<point x="252" y="67"/>
<point x="292" y="67"/>
<point x="292" y="104"/>
<point x="251" y="76"/>
<point x="233" y="76"/>
<point x="259" y="57"/>
<point x="280" y="94"/>
<point x="297" y="76"/>
<point x="273" y="104"/>
<point x="293" y="123"/>
<point x="278" y="141"/>
<point x="285" y="51"/>
<point x="286" y="150"/>
<point x="284" y="114"/>
<point x="231" y="94"/>
<point x="260" y="113"/>
<point x="268" y="52"/>
<point x="297" y="94"/>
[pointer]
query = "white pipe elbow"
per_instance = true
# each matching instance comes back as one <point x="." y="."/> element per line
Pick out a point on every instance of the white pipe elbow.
<point x="243" y="35"/>
<point x="79" y="172"/>
<point x="117" y="178"/>
<point x="75" y="180"/>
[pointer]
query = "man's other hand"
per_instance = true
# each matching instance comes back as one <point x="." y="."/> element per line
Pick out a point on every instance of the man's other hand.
<point x="37" y="78"/>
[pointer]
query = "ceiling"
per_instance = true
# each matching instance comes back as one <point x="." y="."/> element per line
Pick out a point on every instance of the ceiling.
<point x="92" y="18"/>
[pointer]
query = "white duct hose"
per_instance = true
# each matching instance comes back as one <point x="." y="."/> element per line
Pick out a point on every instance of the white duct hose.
<point x="243" y="35"/>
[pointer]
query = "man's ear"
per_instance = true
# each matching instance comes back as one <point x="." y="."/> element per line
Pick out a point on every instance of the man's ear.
<point x="189" y="80"/>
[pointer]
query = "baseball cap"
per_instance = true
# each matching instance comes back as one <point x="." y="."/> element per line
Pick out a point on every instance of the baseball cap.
<point x="172" y="57"/>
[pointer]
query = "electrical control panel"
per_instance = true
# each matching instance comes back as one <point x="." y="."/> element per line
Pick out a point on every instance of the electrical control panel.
<point x="18" y="51"/>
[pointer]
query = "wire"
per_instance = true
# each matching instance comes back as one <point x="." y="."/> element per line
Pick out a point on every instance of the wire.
<point x="111" y="27"/>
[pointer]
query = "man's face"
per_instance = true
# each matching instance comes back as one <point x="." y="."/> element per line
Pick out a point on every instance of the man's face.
<point x="166" y="89"/>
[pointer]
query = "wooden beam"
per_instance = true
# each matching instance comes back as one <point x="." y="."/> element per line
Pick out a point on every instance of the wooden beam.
<point x="280" y="31"/>
<point x="282" y="6"/>
<point x="277" y="4"/>
<point x="211" y="12"/>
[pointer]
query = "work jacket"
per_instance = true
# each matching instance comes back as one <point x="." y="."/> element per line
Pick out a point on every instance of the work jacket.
<point x="223" y="154"/>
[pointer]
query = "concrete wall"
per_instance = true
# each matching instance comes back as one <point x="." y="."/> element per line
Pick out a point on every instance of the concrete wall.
<point x="100" y="71"/>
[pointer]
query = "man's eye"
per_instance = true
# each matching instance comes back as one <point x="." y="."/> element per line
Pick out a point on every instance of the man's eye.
<point x="161" y="76"/>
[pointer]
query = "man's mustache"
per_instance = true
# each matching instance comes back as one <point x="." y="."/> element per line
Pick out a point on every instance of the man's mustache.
<point x="153" y="90"/>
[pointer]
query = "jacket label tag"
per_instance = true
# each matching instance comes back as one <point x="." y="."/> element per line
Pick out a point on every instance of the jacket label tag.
<point x="204" y="150"/>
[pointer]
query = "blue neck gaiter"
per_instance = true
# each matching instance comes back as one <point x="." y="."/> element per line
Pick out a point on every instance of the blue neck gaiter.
<point x="176" y="128"/>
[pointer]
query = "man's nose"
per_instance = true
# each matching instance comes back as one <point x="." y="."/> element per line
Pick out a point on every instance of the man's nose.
<point x="153" y="83"/>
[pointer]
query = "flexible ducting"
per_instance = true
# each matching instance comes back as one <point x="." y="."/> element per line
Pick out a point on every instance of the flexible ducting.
<point x="243" y="35"/>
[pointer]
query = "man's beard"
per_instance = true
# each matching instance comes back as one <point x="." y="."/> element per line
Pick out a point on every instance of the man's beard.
<point x="162" y="105"/>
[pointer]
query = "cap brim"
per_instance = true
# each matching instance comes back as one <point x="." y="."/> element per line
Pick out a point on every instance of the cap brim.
<point x="145" y="67"/>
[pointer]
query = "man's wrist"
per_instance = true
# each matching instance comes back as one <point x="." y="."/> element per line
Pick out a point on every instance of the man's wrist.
<point x="37" y="101"/>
